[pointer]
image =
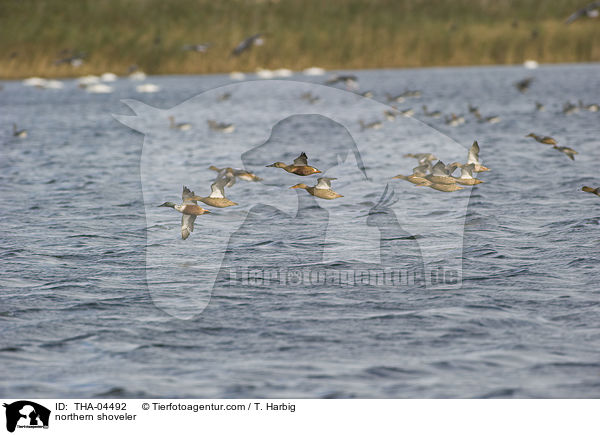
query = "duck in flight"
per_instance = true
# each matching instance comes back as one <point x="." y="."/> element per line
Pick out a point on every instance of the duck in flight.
<point x="189" y="208"/>
<point x="591" y="190"/>
<point x="466" y="175"/>
<point x="247" y="43"/>
<point x="473" y="157"/>
<point x="417" y="177"/>
<point x="217" y="193"/>
<point x="321" y="190"/>
<point x="299" y="166"/>
<point x="422" y="158"/>
<point x="569" y="152"/>
<point x="233" y="173"/>
<point x="440" y="174"/>
<point x="198" y="48"/>
<point x="591" y="11"/>
<point x="543" y="139"/>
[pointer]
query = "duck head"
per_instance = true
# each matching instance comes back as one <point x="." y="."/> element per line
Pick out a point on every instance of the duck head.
<point x="167" y="204"/>
<point x="277" y="165"/>
<point x="299" y="186"/>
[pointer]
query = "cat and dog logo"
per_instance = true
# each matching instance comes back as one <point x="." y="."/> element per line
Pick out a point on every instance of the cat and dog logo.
<point x="25" y="414"/>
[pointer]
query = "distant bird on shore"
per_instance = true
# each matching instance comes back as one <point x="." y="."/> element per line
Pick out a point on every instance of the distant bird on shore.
<point x="220" y="126"/>
<point x="198" y="48"/>
<point x="523" y="85"/>
<point x="73" y="59"/>
<point x="539" y="106"/>
<point x="247" y="43"/>
<point x="189" y="208"/>
<point x="367" y="94"/>
<point x="543" y="139"/>
<point x="147" y="88"/>
<point x="591" y="190"/>
<point x="591" y="11"/>
<point x="179" y="126"/>
<point x="351" y="81"/>
<point x="19" y="133"/>
<point x="299" y="166"/>
<point x="321" y="190"/>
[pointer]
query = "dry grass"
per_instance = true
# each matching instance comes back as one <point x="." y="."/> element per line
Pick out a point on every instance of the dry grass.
<point x="334" y="34"/>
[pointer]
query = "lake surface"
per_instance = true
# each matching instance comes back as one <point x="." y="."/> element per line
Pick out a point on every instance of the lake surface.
<point x="100" y="297"/>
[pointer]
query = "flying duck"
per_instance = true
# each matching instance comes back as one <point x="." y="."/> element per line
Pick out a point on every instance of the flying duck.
<point x="189" y="208"/>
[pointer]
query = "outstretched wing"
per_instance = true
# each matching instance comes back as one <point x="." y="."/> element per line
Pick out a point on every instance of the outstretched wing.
<point x="467" y="171"/>
<point x="301" y="160"/>
<point x="217" y="189"/>
<point x="439" y="169"/>
<point x="187" y="225"/>
<point x="473" y="156"/>
<point x="186" y="195"/>
<point x="588" y="10"/>
<point x="324" y="183"/>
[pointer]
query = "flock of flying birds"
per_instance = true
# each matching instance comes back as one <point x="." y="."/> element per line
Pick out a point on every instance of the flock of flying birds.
<point x="226" y="177"/>
<point x="438" y="176"/>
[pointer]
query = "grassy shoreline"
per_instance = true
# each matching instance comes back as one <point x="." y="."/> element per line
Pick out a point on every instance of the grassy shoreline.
<point x="349" y="34"/>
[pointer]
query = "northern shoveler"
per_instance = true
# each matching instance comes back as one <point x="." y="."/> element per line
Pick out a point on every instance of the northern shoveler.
<point x="299" y="166"/>
<point x="217" y="193"/>
<point x="570" y="152"/>
<point x="189" y="208"/>
<point x="591" y="190"/>
<point x="543" y="139"/>
<point x="473" y="157"/>
<point x="466" y="175"/>
<point x="242" y="174"/>
<point x="321" y="190"/>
